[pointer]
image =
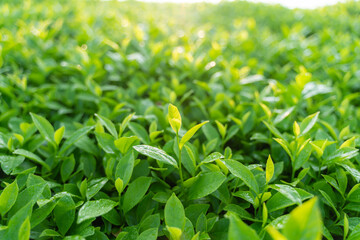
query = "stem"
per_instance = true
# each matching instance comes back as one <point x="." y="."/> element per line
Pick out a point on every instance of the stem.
<point x="234" y="190"/>
<point x="292" y="173"/>
<point x="320" y="166"/>
<point x="180" y="170"/>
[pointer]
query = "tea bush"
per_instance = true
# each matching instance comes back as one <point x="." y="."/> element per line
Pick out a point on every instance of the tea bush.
<point x="129" y="120"/>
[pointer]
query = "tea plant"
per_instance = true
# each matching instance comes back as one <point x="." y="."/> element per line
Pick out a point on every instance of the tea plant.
<point x="129" y="120"/>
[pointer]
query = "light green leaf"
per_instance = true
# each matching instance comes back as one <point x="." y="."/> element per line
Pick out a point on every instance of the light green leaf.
<point x="45" y="128"/>
<point x="269" y="169"/>
<point x="174" y="118"/>
<point x="108" y="125"/>
<point x="273" y="130"/>
<point x="266" y="110"/>
<point x="74" y="237"/>
<point x="288" y="192"/>
<point x="190" y="133"/>
<point x="355" y="233"/>
<point x="119" y="184"/>
<point x="174" y="213"/>
<point x="346" y="225"/>
<point x="175" y="233"/>
<point x="29" y="195"/>
<point x="17" y="221"/>
<point x="8" y="197"/>
<point x="296" y="129"/>
<point x="24" y="231"/>
<point x="350" y="143"/>
<point x="264" y="215"/>
<point x="49" y="233"/>
<point x="212" y="157"/>
<point x="150" y="234"/>
<point x="354" y="194"/>
<point x="304" y="222"/>
<point x="124" y="143"/>
<point x="285" y="146"/>
<point x="275" y="234"/>
<point x="340" y="155"/>
<point x="221" y="128"/>
<point x="308" y="123"/>
<point x="125" y="122"/>
<point x="58" y="135"/>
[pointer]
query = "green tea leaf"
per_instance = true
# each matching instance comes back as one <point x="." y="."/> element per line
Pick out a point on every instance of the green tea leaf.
<point x="269" y="169"/>
<point x="29" y="195"/>
<point x="212" y="157"/>
<point x="206" y="184"/>
<point x="32" y="156"/>
<point x="135" y="192"/>
<point x="288" y="192"/>
<point x="92" y="209"/>
<point x="175" y="119"/>
<point x="45" y="128"/>
<point x="221" y="128"/>
<point x="190" y="133"/>
<point x="125" y="167"/>
<point x="150" y="234"/>
<point x="58" y="135"/>
<point x="49" y="233"/>
<point x="24" y="231"/>
<point x="238" y="228"/>
<point x="125" y="143"/>
<point x="174" y="213"/>
<point x="74" y="138"/>
<point x="19" y="222"/>
<point x="355" y="233"/>
<point x="119" y="185"/>
<point x="242" y="172"/>
<point x="64" y="214"/>
<point x="308" y="123"/>
<point x="156" y="153"/>
<point x="67" y="167"/>
<point x="94" y="186"/>
<point x="305" y="222"/>
<point x="140" y="132"/>
<point x="279" y="201"/>
<point x="9" y="163"/>
<point x="8" y="197"/>
<point x="108" y="125"/>
<point x="41" y="213"/>
<point x="346" y="226"/>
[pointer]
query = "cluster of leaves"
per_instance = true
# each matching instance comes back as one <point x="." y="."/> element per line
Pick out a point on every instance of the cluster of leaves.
<point x="133" y="121"/>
